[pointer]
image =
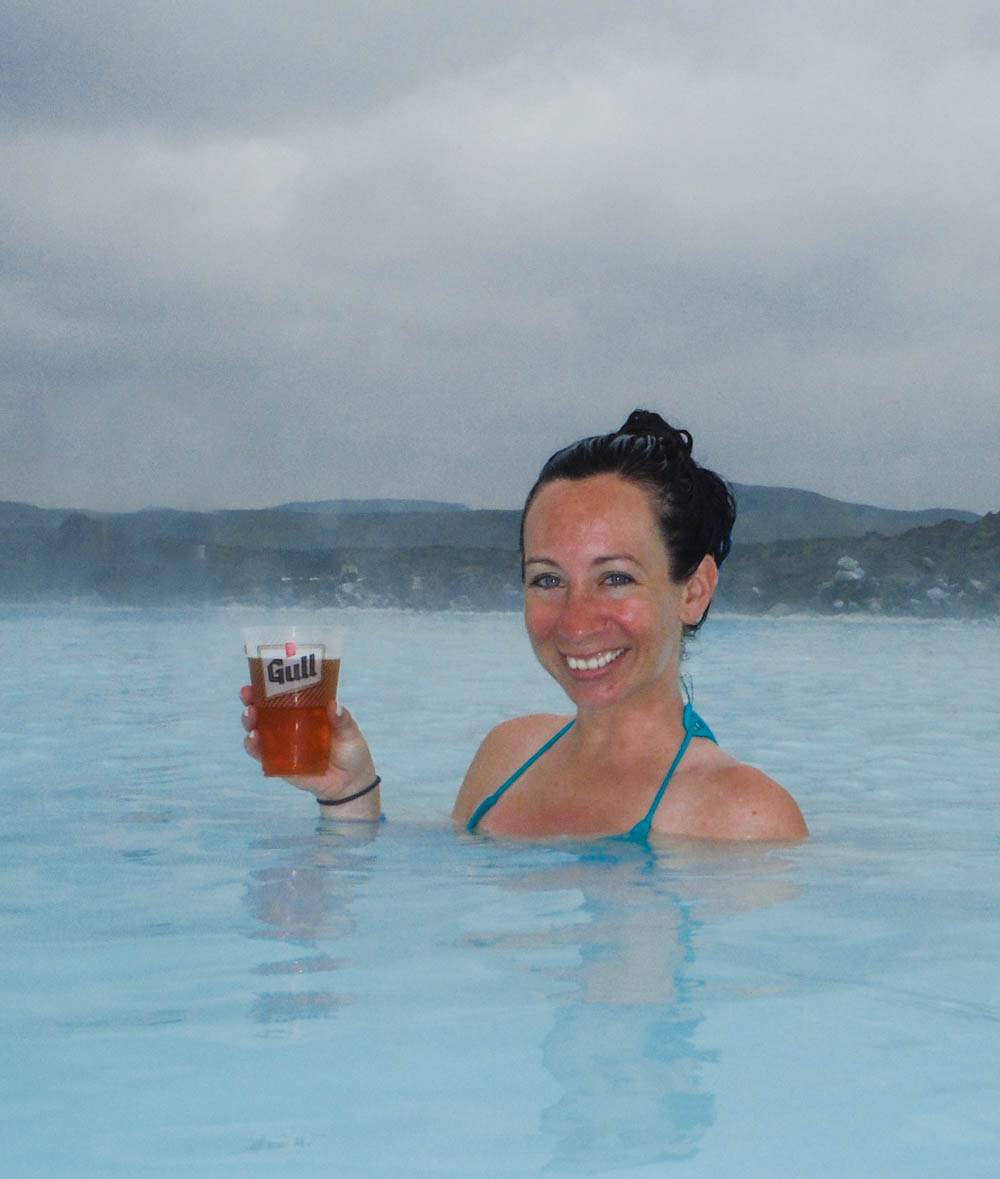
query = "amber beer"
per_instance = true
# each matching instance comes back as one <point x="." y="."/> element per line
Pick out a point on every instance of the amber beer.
<point x="293" y="676"/>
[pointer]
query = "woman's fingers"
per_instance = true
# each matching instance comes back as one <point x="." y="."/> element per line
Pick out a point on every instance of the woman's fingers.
<point x="340" y="719"/>
<point x="251" y="743"/>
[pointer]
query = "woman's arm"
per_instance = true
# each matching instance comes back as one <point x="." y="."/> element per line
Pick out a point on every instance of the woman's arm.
<point x="350" y="769"/>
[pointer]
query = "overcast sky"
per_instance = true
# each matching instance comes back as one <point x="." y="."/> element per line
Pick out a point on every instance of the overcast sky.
<point x="257" y="251"/>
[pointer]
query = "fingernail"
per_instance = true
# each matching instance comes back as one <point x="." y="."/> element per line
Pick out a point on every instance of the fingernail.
<point x="246" y="713"/>
<point x="340" y="709"/>
<point x="252" y="734"/>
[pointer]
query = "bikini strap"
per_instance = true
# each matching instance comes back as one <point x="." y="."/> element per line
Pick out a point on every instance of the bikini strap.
<point x="491" y="801"/>
<point x="694" y="726"/>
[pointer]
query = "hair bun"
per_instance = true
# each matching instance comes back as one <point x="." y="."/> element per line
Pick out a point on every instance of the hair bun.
<point x="645" y="424"/>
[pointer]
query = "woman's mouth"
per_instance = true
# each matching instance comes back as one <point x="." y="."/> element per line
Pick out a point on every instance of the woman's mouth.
<point x="593" y="662"/>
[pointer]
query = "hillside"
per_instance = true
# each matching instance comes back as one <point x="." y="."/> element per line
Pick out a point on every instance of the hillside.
<point x="765" y="514"/>
<point x="783" y="513"/>
<point x="443" y="557"/>
<point x="951" y="569"/>
<point x="354" y="507"/>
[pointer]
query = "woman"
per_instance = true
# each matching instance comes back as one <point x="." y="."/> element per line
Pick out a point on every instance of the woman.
<point x="621" y="541"/>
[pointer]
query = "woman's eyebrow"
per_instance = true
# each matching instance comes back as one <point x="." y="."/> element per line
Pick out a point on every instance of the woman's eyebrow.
<point x="610" y="559"/>
<point x="616" y="557"/>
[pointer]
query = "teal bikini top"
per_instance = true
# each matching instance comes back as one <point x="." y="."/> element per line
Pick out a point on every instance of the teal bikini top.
<point x="694" y="726"/>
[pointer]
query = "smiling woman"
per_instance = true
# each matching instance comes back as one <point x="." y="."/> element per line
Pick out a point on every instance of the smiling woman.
<point x="621" y="541"/>
<point x="600" y="604"/>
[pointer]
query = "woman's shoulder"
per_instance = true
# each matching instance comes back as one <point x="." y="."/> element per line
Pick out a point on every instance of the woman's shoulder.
<point x="503" y="750"/>
<point x="726" y="799"/>
<point x="510" y="734"/>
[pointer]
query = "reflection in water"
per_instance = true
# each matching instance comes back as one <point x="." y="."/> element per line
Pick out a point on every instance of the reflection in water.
<point x="632" y="1087"/>
<point x="293" y="1006"/>
<point x="605" y="935"/>
<point x="623" y="1044"/>
<point x="302" y="902"/>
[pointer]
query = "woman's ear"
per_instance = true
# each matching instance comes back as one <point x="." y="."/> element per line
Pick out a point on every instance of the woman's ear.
<point x="698" y="591"/>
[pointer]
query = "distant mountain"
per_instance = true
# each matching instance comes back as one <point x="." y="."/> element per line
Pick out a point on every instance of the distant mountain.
<point x="765" y="514"/>
<point x="360" y="507"/>
<point x="276" y="528"/>
<point x="783" y="513"/>
<point x="14" y="514"/>
<point x="461" y="560"/>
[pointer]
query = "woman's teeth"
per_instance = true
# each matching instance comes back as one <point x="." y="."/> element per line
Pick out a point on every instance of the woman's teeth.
<point x="595" y="661"/>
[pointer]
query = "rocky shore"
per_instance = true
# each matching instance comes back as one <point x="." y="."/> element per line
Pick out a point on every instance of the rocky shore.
<point x="951" y="569"/>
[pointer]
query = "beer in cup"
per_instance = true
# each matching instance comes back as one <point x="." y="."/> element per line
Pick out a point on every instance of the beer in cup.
<point x="293" y="676"/>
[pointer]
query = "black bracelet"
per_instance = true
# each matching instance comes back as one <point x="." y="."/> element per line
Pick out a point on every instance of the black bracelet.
<point x="350" y="797"/>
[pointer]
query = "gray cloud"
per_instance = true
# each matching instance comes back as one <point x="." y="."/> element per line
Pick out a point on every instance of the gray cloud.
<point x="259" y="254"/>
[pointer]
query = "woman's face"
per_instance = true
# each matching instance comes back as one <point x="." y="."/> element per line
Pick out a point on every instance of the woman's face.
<point x="602" y="612"/>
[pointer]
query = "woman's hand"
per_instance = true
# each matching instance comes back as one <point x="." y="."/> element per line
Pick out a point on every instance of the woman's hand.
<point x="350" y="768"/>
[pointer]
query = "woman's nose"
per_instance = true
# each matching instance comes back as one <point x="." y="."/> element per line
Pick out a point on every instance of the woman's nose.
<point x="580" y="615"/>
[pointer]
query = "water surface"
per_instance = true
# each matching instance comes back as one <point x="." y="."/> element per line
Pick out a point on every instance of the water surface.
<point x="200" y="977"/>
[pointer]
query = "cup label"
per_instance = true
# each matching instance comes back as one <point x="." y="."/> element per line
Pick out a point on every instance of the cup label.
<point x="283" y="674"/>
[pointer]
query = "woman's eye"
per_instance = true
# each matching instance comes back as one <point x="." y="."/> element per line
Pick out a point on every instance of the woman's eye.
<point x="545" y="581"/>
<point x="618" y="578"/>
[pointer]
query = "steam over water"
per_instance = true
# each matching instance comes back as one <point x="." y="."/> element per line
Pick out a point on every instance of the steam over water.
<point x="200" y="977"/>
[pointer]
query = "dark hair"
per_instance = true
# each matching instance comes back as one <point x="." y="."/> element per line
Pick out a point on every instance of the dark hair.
<point x="694" y="506"/>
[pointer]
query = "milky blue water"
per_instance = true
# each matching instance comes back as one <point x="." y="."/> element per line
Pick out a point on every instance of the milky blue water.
<point x="198" y="977"/>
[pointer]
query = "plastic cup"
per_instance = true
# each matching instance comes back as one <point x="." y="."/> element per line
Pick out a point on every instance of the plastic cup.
<point x="293" y="677"/>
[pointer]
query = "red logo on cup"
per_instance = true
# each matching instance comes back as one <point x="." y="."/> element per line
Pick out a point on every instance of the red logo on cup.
<point x="289" y="650"/>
